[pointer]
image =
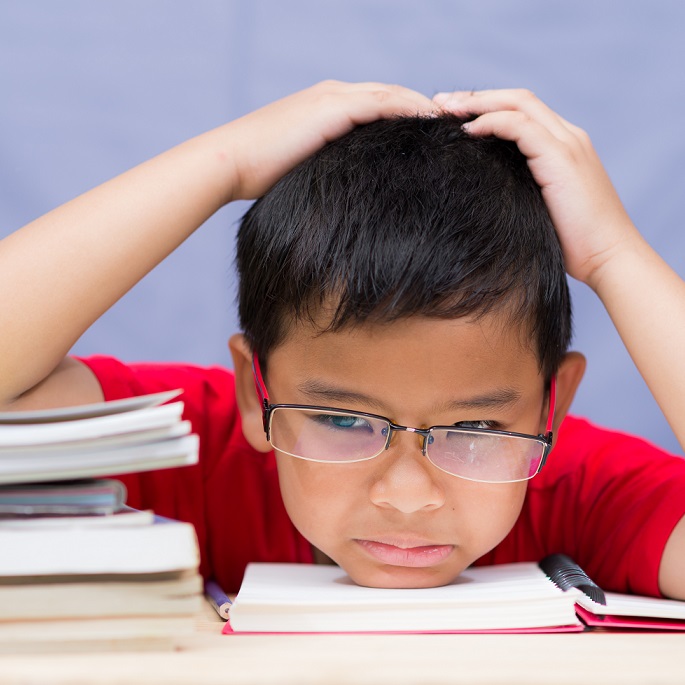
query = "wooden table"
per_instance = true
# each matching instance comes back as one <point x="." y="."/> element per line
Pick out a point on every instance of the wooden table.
<point x="209" y="657"/>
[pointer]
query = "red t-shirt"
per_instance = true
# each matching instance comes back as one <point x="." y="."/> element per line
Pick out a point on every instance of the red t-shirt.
<point x="608" y="500"/>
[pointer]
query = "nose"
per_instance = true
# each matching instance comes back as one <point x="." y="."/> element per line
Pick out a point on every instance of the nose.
<point x="404" y="479"/>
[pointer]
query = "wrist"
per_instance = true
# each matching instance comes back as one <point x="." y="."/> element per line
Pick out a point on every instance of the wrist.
<point x="619" y="262"/>
<point x="204" y="168"/>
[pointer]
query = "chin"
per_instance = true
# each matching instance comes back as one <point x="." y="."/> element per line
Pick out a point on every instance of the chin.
<point x="401" y="577"/>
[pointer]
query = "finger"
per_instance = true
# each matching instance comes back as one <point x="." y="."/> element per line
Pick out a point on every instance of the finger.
<point x="339" y="107"/>
<point x="333" y="108"/>
<point x="533" y="139"/>
<point x="487" y="101"/>
<point x="390" y="97"/>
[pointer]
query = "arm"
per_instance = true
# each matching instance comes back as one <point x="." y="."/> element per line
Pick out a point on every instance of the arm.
<point x="602" y="248"/>
<point x="64" y="270"/>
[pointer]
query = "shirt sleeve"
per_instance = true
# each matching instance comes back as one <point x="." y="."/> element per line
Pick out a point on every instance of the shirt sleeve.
<point x="232" y="496"/>
<point x="209" y="404"/>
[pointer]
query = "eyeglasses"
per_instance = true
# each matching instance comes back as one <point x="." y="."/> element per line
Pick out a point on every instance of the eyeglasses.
<point x="333" y="435"/>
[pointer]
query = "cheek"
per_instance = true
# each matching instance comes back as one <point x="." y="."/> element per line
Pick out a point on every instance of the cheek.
<point x="487" y="512"/>
<point x="317" y="497"/>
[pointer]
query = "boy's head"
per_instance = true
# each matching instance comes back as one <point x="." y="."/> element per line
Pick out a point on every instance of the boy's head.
<point x="409" y="271"/>
<point x="400" y="218"/>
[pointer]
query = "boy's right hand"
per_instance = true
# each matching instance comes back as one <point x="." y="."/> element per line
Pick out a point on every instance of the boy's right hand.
<point x="269" y="142"/>
<point x="62" y="271"/>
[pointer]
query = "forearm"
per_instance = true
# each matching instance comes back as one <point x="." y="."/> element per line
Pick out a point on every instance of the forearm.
<point x="61" y="272"/>
<point x="646" y="301"/>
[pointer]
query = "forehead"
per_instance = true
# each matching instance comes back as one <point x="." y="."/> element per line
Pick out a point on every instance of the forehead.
<point x="417" y="359"/>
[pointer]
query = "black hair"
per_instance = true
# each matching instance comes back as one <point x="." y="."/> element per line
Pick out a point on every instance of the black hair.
<point x="404" y="217"/>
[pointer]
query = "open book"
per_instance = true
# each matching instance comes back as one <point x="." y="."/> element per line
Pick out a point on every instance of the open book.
<point x="300" y="598"/>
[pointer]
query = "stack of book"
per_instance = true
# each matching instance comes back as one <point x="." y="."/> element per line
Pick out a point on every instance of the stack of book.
<point x="78" y="569"/>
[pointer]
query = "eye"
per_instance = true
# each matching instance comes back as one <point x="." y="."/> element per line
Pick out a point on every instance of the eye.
<point x="345" y="422"/>
<point x="477" y="425"/>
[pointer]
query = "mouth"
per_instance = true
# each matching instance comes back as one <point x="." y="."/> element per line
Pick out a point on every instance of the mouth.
<point x="410" y="554"/>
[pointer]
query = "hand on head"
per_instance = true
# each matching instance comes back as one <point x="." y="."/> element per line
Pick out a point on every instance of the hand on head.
<point x="275" y="138"/>
<point x="587" y="213"/>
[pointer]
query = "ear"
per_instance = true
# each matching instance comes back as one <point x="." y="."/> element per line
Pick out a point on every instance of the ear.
<point x="569" y="375"/>
<point x="246" y="394"/>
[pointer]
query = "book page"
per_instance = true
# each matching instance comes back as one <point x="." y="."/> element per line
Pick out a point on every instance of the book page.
<point x="295" y="584"/>
<point x="634" y="605"/>
<point x="86" y="411"/>
<point x="311" y="598"/>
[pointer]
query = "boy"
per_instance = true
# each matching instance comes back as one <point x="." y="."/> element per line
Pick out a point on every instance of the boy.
<point x="347" y="322"/>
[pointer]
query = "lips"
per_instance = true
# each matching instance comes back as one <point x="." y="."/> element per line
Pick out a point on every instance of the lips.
<point x="413" y="554"/>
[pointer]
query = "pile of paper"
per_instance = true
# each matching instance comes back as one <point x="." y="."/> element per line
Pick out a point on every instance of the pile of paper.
<point x="78" y="569"/>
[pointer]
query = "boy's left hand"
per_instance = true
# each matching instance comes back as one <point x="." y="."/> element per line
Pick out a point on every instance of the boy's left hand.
<point x="643" y="295"/>
<point x="587" y="213"/>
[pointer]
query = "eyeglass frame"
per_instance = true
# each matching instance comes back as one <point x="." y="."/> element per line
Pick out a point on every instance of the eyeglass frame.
<point x="546" y="438"/>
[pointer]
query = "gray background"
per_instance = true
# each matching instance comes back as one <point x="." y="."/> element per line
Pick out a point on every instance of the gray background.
<point x="88" y="89"/>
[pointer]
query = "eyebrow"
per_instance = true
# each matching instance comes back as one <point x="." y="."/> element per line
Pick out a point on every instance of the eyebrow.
<point x="500" y="398"/>
<point x="321" y="392"/>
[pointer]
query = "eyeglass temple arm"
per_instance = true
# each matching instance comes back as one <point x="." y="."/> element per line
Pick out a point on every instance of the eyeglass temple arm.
<point x="260" y="387"/>
<point x="552" y="406"/>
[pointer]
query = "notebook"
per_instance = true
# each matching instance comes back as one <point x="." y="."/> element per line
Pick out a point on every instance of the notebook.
<point x="521" y="597"/>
